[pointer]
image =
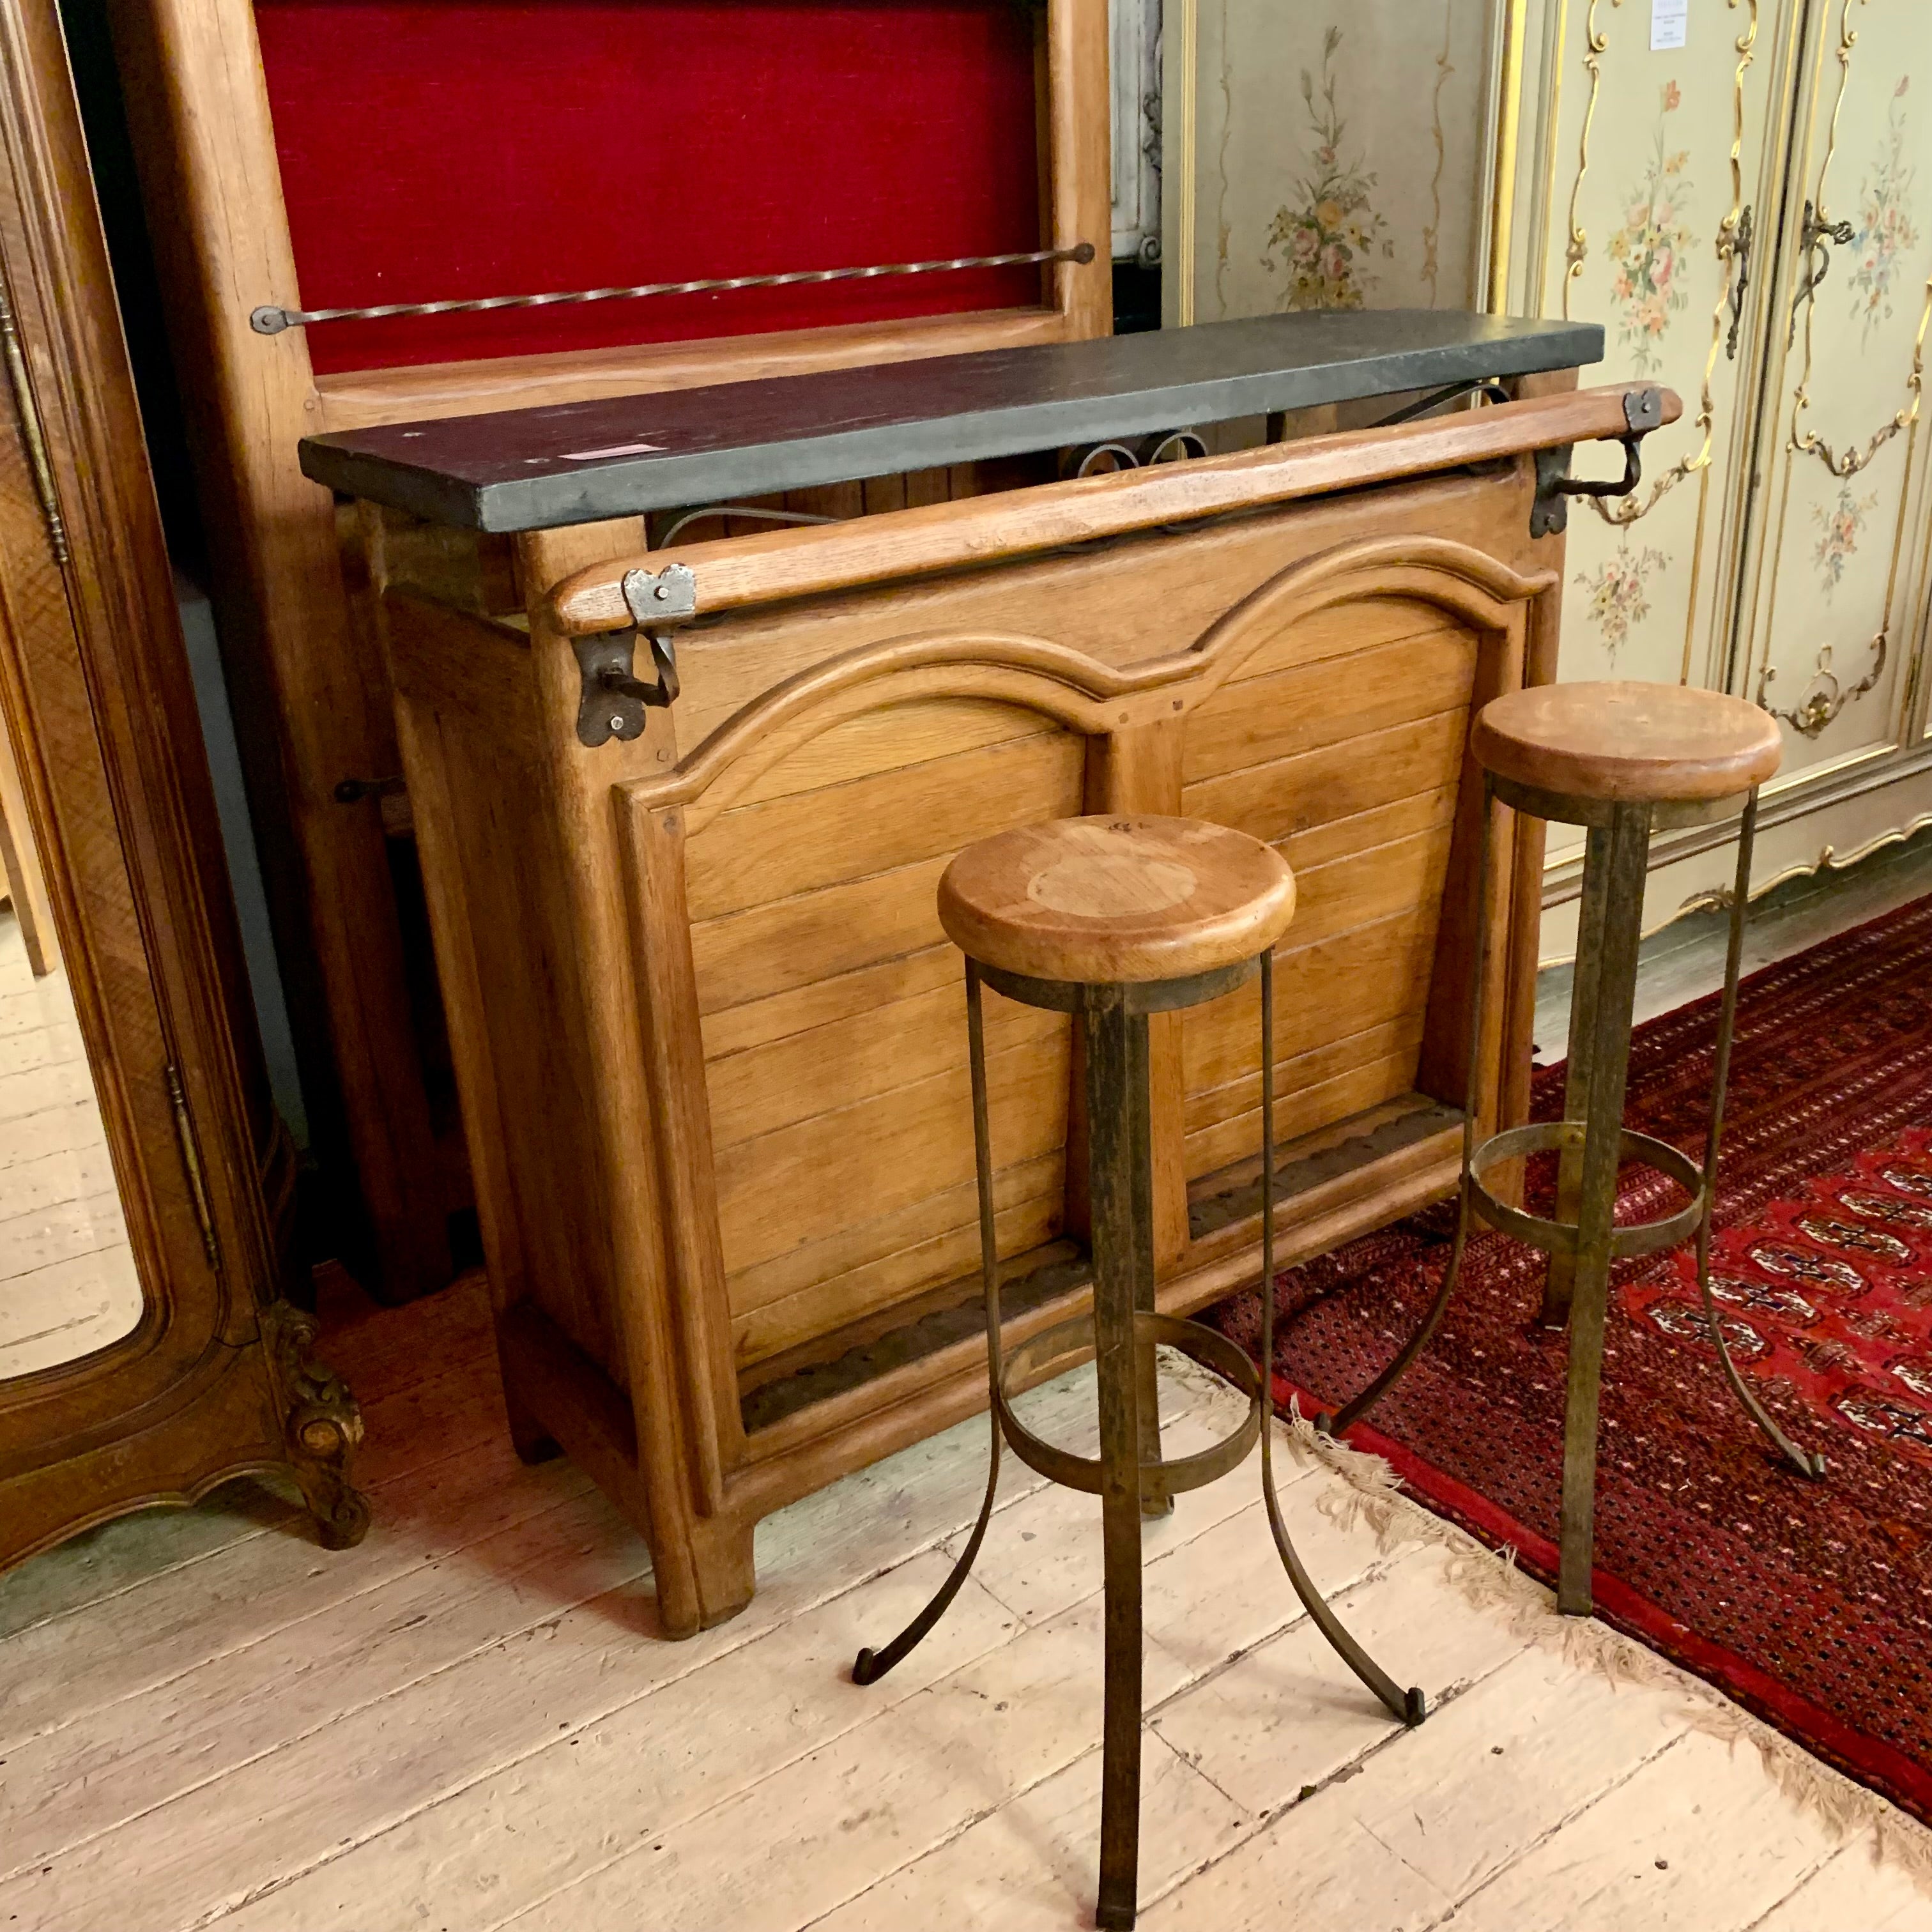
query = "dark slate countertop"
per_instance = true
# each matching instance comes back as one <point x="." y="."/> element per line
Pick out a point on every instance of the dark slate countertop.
<point x="577" y="463"/>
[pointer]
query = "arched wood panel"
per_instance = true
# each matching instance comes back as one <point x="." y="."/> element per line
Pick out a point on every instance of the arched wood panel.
<point x="1336" y="730"/>
<point x="828" y="1003"/>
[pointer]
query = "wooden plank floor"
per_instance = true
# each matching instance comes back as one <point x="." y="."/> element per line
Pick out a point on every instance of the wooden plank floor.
<point x="469" y="1723"/>
<point x="68" y="1281"/>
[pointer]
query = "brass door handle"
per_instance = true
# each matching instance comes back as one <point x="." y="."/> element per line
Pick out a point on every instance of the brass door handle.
<point x="1811" y="239"/>
<point x="1740" y="249"/>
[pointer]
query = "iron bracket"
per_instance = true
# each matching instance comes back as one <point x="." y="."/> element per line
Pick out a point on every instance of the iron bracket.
<point x="1549" y="513"/>
<point x="1487" y="387"/>
<point x="614" y="701"/>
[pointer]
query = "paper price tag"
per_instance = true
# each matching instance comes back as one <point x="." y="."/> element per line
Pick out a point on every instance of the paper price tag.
<point x="1669" y="24"/>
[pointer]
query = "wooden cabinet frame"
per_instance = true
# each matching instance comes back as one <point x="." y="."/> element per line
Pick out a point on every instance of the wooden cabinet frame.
<point x="561" y="900"/>
<point x="307" y="685"/>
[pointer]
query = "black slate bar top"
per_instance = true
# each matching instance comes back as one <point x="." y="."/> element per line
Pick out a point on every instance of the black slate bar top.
<point x="578" y="463"/>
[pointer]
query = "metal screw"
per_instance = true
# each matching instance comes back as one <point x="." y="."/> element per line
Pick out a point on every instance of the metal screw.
<point x="663" y="593"/>
<point x="616" y="724"/>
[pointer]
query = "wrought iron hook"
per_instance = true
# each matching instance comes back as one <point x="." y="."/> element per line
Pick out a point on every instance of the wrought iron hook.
<point x="1643" y="412"/>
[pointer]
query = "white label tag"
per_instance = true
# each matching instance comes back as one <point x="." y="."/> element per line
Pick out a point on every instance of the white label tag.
<point x="1669" y="24"/>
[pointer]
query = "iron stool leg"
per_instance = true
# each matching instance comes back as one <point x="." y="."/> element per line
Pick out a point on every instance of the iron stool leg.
<point x="1584" y="995"/>
<point x="1621" y="858"/>
<point x="871" y="1665"/>
<point x="1119" y="1181"/>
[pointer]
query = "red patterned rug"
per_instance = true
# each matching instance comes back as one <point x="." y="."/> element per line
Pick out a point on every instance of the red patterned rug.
<point x="1810" y="1603"/>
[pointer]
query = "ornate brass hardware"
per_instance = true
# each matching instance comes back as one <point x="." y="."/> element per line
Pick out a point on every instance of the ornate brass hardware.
<point x="1740" y="250"/>
<point x="1826" y="695"/>
<point x="614" y="701"/>
<point x="1811" y="239"/>
<point x="1643" y="412"/>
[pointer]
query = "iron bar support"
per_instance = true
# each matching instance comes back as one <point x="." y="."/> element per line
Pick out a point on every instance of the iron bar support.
<point x="1117" y="1105"/>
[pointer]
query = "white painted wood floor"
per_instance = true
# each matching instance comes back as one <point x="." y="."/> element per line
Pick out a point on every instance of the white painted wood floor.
<point x="67" y="1280"/>
<point x="467" y="1724"/>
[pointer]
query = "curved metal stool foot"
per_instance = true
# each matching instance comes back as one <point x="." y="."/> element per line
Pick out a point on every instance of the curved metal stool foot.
<point x="1407" y="1707"/>
<point x="1351" y="1411"/>
<point x="1806" y="1462"/>
<point x="870" y="1665"/>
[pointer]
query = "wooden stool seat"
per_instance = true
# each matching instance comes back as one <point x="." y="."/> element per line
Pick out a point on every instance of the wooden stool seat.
<point x="1110" y="901"/>
<point x="1627" y="742"/>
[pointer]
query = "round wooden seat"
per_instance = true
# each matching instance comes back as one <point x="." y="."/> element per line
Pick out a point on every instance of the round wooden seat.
<point x="1108" y="900"/>
<point x="1627" y="742"/>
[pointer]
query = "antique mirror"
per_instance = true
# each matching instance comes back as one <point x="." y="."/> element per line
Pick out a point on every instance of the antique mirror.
<point x="147" y="1350"/>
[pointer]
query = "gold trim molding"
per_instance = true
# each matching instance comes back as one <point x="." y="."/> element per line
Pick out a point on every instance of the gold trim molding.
<point x="1827" y="695"/>
<point x="1576" y="250"/>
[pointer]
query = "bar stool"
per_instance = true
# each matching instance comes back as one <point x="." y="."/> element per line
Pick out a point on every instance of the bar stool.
<point x="1624" y="760"/>
<point x="1112" y="918"/>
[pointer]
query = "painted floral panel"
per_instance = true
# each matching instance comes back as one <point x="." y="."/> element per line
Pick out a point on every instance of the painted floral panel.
<point x="1325" y="243"/>
<point x="1620" y="591"/>
<point x="1840" y="525"/>
<point x="1648" y="250"/>
<point x="1885" y="231"/>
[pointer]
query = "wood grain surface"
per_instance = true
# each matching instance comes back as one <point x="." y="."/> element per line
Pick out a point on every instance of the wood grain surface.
<point x="1628" y="742"/>
<point x="1109" y="900"/>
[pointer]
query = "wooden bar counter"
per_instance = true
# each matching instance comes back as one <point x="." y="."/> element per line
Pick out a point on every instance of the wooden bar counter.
<point x="709" y="1038"/>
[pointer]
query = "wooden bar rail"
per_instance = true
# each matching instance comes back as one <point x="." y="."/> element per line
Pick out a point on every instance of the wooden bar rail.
<point x="947" y="536"/>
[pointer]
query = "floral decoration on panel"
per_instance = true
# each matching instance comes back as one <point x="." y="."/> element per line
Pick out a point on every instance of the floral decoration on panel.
<point x="1325" y="243"/>
<point x="1648" y="249"/>
<point x="1885" y="231"/>
<point x="1840" y="525"/>
<point x="1620" y="590"/>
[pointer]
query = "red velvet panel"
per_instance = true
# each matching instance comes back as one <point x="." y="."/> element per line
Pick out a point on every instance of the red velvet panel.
<point x="443" y="149"/>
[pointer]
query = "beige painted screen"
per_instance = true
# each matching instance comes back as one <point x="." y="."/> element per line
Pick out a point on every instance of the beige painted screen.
<point x="1835" y="605"/>
<point x="1339" y="154"/>
<point x="1746" y="206"/>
